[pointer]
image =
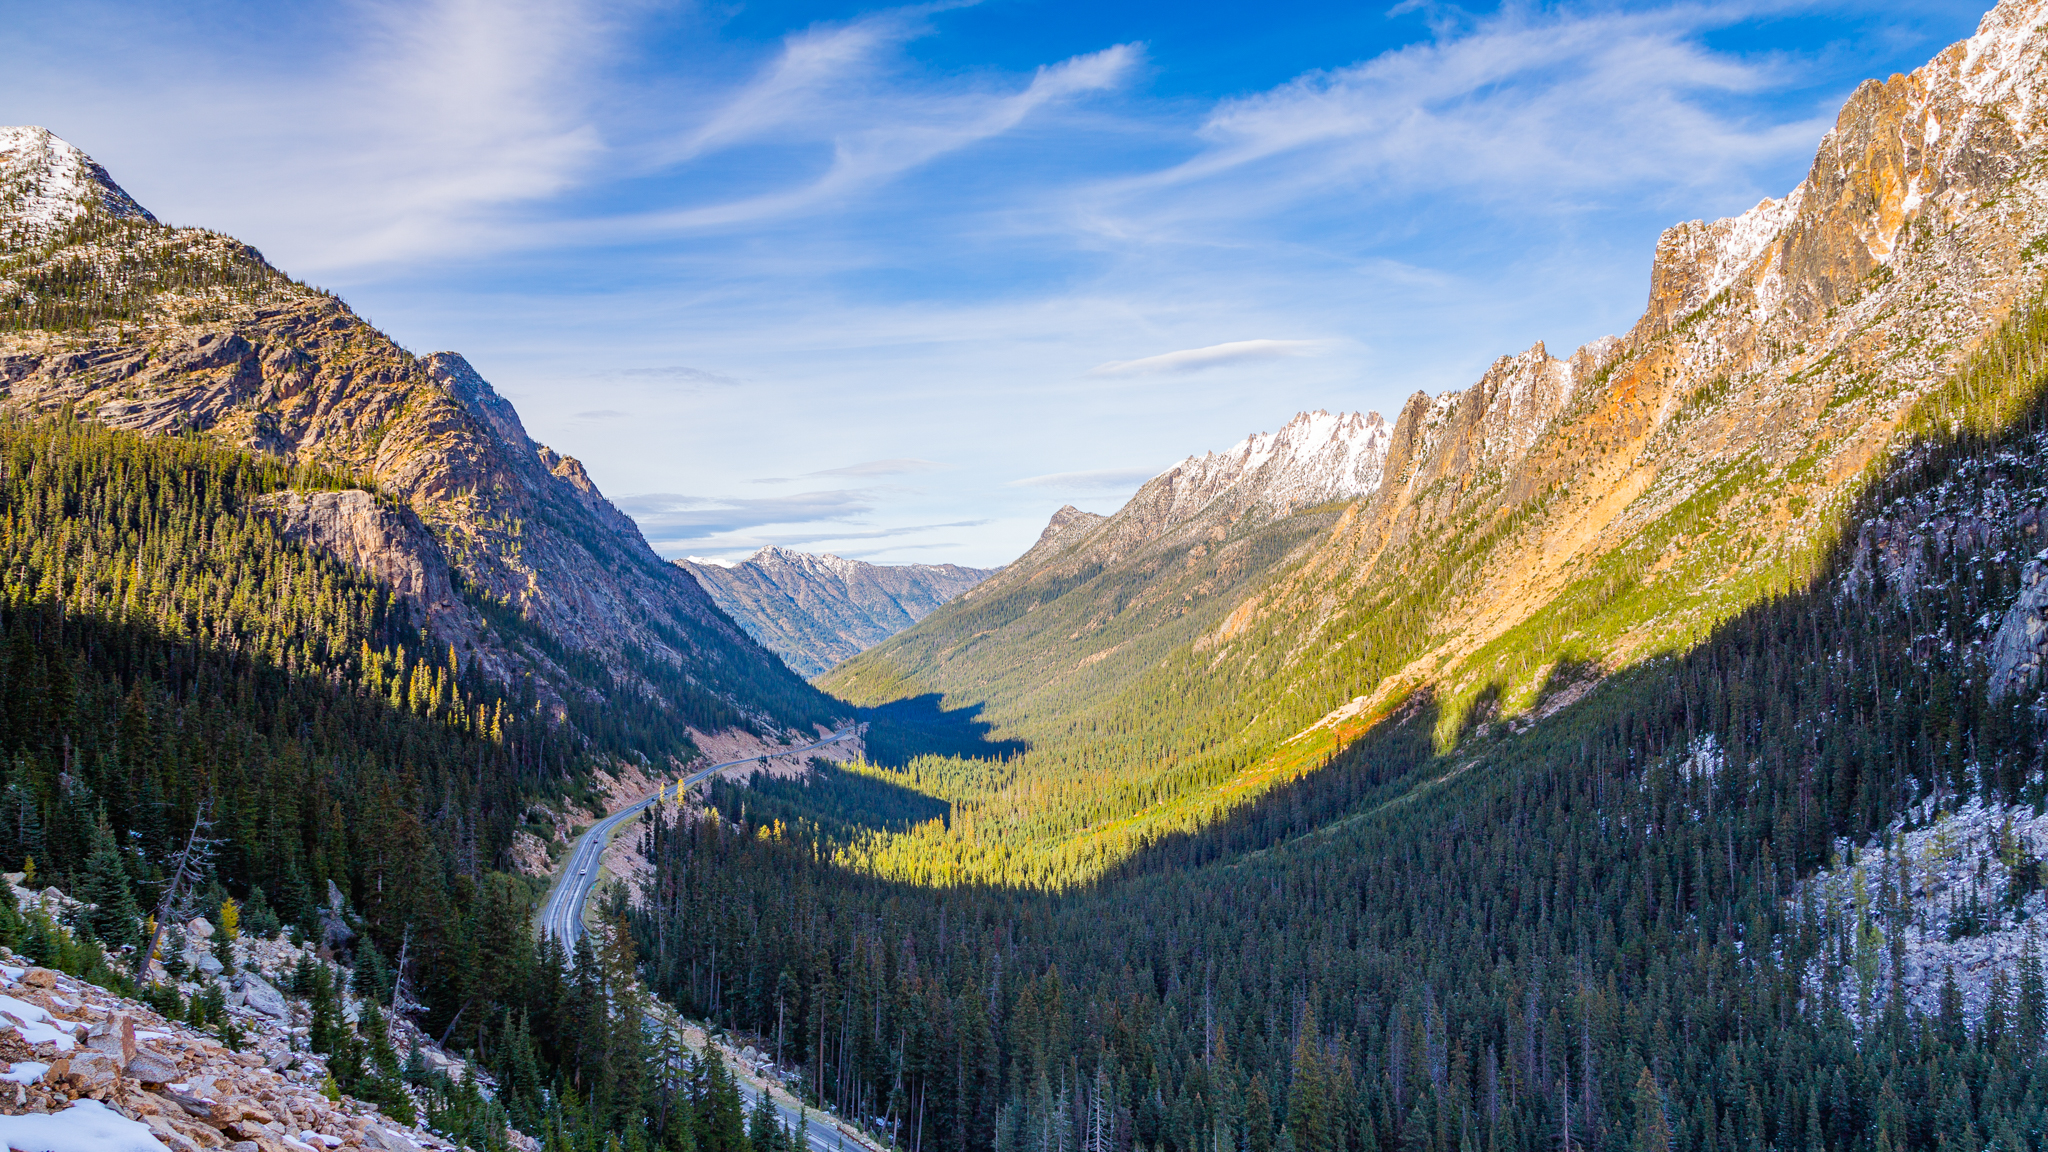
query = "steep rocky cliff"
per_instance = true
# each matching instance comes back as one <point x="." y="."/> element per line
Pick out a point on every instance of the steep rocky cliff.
<point x="816" y="610"/>
<point x="1562" y="515"/>
<point x="505" y="547"/>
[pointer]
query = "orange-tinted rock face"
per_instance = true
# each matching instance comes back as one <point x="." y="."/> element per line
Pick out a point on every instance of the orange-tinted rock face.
<point x="1787" y="343"/>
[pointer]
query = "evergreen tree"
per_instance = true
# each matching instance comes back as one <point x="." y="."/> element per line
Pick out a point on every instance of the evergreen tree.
<point x="114" y="917"/>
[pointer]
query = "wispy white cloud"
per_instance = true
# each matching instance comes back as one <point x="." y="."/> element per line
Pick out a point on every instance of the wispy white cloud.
<point x="678" y="374"/>
<point x="1539" y="107"/>
<point x="831" y="87"/>
<point x="1101" y="479"/>
<point x="673" y="518"/>
<point x="1213" y="356"/>
<point x="882" y="244"/>
<point x="367" y="132"/>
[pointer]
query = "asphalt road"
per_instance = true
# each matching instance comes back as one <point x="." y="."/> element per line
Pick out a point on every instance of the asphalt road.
<point x="562" y="918"/>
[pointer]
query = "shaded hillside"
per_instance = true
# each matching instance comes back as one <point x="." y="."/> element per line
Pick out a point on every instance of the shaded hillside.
<point x="816" y="610"/>
<point x="1561" y="518"/>
<point x="276" y="591"/>
<point x="509" y="554"/>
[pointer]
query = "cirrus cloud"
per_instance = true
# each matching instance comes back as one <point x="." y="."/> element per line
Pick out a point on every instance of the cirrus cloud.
<point x="1100" y="479"/>
<point x="1213" y="356"/>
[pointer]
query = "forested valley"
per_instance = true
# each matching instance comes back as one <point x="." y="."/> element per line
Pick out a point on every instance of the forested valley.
<point x="1654" y="768"/>
<point x="1587" y="933"/>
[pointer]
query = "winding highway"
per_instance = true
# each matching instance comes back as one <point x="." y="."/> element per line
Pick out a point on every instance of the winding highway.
<point x="562" y="918"/>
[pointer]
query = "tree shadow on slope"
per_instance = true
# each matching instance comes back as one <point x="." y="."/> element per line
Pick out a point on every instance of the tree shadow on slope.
<point x="922" y="725"/>
<point x="840" y="806"/>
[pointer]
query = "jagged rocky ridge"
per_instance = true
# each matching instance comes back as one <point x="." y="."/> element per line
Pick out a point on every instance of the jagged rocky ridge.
<point x="814" y="610"/>
<point x="1576" y="513"/>
<point x="1152" y="575"/>
<point x="106" y="314"/>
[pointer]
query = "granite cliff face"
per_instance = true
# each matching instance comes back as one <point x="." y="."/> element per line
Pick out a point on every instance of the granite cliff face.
<point x="110" y="316"/>
<point x="1562" y="515"/>
<point x="816" y="610"/>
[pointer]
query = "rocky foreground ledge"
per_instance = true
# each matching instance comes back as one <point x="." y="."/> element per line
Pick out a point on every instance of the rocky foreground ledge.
<point x="90" y="1071"/>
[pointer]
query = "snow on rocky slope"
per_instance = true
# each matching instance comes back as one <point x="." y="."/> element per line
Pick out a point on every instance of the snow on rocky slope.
<point x="46" y="182"/>
<point x="1956" y="897"/>
<point x="1313" y="458"/>
<point x="80" y="1058"/>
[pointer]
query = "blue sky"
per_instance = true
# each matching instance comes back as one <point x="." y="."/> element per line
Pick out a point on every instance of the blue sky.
<point x="897" y="282"/>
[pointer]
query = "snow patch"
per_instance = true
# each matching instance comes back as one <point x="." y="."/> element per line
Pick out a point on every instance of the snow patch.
<point x="33" y="1024"/>
<point x="86" y="1126"/>
<point x="46" y="182"/>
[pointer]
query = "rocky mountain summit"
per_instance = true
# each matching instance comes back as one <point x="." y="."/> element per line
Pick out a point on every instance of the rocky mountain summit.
<point x="814" y="610"/>
<point x="504" y="549"/>
<point x="45" y="183"/>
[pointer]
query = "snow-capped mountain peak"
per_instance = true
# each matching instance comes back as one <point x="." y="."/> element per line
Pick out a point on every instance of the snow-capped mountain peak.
<point x="46" y="182"/>
<point x="1315" y="457"/>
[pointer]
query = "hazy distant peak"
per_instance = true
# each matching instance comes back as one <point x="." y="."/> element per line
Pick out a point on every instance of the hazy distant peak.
<point x="815" y="609"/>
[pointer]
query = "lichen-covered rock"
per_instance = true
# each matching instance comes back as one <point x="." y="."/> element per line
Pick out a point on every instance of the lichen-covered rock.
<point x="150" y="1068"/>
<point x="261" y="997"/>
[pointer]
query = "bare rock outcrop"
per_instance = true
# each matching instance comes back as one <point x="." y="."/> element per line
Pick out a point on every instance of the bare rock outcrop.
<point x="384" y="540"/>
<point x="2020" y="645"/>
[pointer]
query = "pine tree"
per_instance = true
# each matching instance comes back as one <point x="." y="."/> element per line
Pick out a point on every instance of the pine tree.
<point x="114" y="918"/>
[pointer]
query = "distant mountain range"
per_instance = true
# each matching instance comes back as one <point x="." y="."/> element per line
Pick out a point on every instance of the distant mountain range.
<point x="816" y="610"/>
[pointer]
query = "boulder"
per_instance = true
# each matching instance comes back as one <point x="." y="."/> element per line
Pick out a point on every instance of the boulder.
<point x="193" y="1105"/>
<point x="261" y="997"/>
<point x="199" y="928"/>
<point x="172" y="1138"/>
<point x="39" y="978"/>
<point x="93" y="1069"/>
<point x="115" y="1036"/>
<point x="150" y="1068"/>
<point x="387" y="1140"/>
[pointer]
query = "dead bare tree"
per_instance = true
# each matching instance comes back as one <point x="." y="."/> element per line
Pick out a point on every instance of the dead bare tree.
<point x="187" y="868"/>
